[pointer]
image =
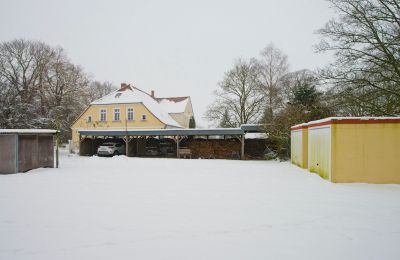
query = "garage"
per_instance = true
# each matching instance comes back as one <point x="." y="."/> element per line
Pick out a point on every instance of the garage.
<point x="26" y="149"/>
<point x="352" y="149"/>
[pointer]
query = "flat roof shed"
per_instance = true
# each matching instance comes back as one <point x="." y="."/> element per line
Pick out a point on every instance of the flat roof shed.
<point x="177" y="133"/>
<point x="22" y="150"/>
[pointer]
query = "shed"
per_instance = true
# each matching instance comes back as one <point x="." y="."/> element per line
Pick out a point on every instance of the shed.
<point x="299" y="145"/>
<point x="355" y="149"/>
<point x="26" y="149"/>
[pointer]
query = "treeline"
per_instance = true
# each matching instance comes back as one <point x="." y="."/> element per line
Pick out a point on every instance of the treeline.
<point x="363" y="79"/>
<point x="41" y="88"/>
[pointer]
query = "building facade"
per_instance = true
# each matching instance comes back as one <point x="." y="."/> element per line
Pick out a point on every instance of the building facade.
<point x="130" y="108"/>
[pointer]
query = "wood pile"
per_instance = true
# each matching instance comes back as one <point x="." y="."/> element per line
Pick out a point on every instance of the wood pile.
<point x="213" y="149"/>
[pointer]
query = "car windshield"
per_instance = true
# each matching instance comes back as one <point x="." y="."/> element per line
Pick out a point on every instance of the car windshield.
<point x="108" y="144"/>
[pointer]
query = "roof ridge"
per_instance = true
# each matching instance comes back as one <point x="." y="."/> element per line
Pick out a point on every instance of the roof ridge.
<point x="144" y="92"/>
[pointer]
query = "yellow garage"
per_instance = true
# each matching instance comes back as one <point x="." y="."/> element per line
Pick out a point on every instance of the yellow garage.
<point x="357" y="149"/>
<point x="299" y="145"/>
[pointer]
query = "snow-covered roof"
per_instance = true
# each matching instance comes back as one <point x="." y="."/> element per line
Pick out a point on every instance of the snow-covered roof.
<point x="346" y="120"/>
<point x="172" y="106"/>
<point x="256" y="136"/>
<point x="367" y="118"/>
<point x="28" y="131"/>
<point x="134" y="95"/>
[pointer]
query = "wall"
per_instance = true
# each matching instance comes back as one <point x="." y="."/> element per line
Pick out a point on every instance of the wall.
<point x="7" y="154"/>
<point x="319" y="151"/>
<point x="366" y="153"/>
<point x="305" y="147"/>
<point x="35" y="151"/>
<point x="94" y="111"/>
<point x="296" y="145"/>
<point x="299" y="147"/>
<point x="184" y="118"/>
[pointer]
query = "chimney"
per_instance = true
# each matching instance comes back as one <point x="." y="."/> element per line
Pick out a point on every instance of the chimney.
<point x="152" y="94"/>
<point x="124" y="87"/>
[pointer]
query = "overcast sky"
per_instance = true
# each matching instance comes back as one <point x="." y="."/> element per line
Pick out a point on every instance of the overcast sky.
<point x="176" y="48"/>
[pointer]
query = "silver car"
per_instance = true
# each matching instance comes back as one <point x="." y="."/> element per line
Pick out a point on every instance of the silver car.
<point x="110" y="149"/>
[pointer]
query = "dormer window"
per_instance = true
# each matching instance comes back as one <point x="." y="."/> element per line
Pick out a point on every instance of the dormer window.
<point x="118" y="95"/>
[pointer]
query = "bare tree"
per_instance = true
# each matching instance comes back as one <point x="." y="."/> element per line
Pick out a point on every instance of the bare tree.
<point x="365" y="41"/>
<point x="39" y="86"/>
<point x="238" y="100"/>
<point x="272" y="67"/>
<point x="99" y="89"/>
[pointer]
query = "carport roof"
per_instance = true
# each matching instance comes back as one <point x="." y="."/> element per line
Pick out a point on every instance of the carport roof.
<point x="164" y="132"/>
<point x="28" y="131"/>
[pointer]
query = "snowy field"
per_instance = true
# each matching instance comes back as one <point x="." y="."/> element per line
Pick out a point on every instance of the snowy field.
<point x="131" y="208"/>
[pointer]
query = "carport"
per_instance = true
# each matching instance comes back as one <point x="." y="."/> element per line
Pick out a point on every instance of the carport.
<point x="134" y="139"/>
<point x="26" y="149"/>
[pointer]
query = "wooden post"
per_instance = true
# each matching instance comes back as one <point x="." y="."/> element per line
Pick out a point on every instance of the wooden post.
<point x="242" y="148"/>
<point x="127" y="139"/>
<point x="57" y="149"/>
<point x="16" y="153"/>
<point x="137" y="146"/>
<point x="127" y="146"/>
<point x="177" y="146"/>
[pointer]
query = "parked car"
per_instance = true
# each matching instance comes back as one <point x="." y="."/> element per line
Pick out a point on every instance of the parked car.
<point x="111" y="149"/>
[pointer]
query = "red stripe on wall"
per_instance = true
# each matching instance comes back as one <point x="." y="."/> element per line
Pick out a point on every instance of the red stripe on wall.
<point x="356" y="121"/>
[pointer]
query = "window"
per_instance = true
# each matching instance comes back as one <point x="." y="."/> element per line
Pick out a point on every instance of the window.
<point x="144" y="117"/>
<point x="89" y="119"/>
<point x="103" y="115"/>
<point x="130" y="114"/>
<point x="116" y="114"/>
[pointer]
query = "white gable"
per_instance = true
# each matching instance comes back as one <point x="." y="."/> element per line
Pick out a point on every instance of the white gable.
<point x="172" y="106"/>
<point x="136" y="96"/>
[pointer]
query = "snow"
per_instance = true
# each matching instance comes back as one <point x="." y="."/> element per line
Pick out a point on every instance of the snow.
<point x="349" y="118"/>
<point x="142" y="208"/>
<point x="28" y="131"/>
<point x="256" y="136"/>
<point x="137" y="96"/>
<point x="172" y="106"/>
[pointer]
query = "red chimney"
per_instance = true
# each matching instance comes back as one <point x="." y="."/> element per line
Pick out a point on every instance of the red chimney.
<point x="124" y="87"/>
<point x="152" y="93"/>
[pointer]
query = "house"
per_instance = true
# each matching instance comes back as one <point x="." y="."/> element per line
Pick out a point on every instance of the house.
<point x="130" y="108"/>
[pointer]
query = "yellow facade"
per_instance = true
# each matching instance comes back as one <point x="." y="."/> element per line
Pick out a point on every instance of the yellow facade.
<point x="366" y="153"/>
<point x="93" y="111"/>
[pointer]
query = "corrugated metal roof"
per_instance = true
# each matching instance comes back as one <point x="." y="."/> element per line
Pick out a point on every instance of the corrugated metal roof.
<point x="28" y="131"/>
<point x="164" y="132"/>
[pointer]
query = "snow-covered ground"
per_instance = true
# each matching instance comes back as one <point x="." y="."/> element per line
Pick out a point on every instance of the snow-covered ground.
<point x="131" y="208"/>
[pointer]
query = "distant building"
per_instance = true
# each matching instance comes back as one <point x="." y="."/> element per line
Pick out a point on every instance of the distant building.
<point x="131" y="108"/>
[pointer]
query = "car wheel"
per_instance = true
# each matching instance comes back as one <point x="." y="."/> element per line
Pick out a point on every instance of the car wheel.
<point x="116" y="153"/>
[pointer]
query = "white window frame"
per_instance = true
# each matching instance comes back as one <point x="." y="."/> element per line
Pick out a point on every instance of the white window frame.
<point x="105" y="115"/>
<point x="127" y="114"/>
<point x="144" y="117"/>
<point x="119" y="114"/>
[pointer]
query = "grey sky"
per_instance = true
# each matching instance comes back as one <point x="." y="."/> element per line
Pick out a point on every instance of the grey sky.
<point x="173" y="47"/>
